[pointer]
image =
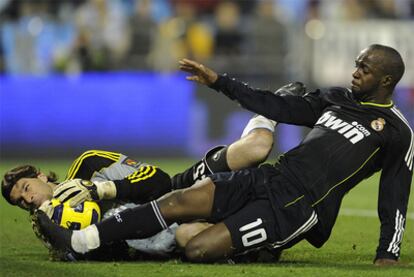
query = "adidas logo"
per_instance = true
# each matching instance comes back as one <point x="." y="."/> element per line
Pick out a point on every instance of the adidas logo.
<point x="353" y="131"/>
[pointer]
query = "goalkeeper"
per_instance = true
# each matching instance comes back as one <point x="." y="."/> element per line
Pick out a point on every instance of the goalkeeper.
<point x="119" y="182"/>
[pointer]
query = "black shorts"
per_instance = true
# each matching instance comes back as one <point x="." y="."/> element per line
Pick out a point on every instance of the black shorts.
<point x="261" y="209"/>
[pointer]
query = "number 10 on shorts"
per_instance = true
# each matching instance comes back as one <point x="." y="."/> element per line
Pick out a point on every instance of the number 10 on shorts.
<point x="254" y="234"/>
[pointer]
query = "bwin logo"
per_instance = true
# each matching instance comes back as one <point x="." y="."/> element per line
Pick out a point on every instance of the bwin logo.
<point x="354" y="132"/>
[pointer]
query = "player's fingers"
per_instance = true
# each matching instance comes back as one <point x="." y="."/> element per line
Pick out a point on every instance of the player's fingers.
<point x="193" y="78"/>
<point x="184" y="64"/>
<point x="74" y="201"/>
<point x="188" y="61"/>
<point x="66" y="185"/>
<point x="63" y="193"/>
<point x="60" y="189"/>
<point x="70" y="193"/>
<point x="79" y="198"/>
<point x="193" y="64"/>
<point x="183" y="61"/>
<point x="47" y="208"/>
<point x="187" y="69"/>
<point x="190" y="66"/>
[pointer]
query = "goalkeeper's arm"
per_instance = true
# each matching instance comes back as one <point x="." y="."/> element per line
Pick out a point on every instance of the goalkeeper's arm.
<point x="142" y="186"/>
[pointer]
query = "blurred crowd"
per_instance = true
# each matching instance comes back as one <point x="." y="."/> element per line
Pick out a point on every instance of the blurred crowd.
<point x="71" y="36"/>
<point x="264" y="42"/>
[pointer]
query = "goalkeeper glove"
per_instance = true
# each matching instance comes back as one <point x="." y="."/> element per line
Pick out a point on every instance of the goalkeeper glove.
<point x="47" y="208"/>
<point x="77" y="191"/>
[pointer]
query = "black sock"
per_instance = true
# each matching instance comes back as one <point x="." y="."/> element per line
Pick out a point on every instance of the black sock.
<point x="136" y="223"/>
<point x="217" y="162"/>
<point x="214" y="161"/>
<point x="186" y="179"/>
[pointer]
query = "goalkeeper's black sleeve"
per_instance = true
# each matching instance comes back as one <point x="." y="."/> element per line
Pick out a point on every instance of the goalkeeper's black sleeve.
<point x="146" y="184"/>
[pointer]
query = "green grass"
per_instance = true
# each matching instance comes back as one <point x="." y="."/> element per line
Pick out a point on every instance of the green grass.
<point x="349" y="251"/>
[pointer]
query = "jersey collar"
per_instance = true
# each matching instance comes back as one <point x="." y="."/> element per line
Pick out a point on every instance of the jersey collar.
<point x="389" y="105"/>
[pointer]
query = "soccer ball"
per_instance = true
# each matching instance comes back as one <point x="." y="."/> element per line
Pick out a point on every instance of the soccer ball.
<point x="76" y="218"/>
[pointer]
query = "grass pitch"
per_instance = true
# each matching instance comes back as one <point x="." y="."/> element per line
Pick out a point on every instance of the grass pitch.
<point x="349" y="252"/>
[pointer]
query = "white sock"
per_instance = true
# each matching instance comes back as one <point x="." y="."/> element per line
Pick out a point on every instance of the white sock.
<point x="259" y="121"/>
<point x="85" y="240"/>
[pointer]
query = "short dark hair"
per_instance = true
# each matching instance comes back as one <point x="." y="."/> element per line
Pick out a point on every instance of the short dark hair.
<point x="392" y="62"/>
<point x="24" y="171"/>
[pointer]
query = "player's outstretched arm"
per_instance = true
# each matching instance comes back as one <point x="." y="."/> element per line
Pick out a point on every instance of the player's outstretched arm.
<point x="200" y="73"/>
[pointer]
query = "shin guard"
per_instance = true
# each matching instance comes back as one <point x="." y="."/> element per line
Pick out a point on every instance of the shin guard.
<point x="214" y="161"/>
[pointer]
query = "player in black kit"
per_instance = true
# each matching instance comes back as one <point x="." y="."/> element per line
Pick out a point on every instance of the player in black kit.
<point x="355" y="133"/>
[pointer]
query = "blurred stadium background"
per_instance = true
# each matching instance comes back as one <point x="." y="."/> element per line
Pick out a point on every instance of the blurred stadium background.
<point x="102" y="74"/>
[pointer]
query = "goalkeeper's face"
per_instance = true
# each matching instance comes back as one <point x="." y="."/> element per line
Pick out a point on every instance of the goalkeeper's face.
<point x="30" y="193"/>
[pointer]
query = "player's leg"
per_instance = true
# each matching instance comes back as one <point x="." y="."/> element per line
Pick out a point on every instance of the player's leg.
<point x="252" y="216"/>
<point x="197" y="202"/>
<point x="242" y="217"/>
<point x="134" y="223"/>
<point x="186" y="231"/>
<point x="188" y="204"/>
<point x="212" y="244"/>
<point x="256" y="141"/>
<point x="249" y="229"/>
<point x="252" y="149"/>
<point x="249" y="151"/>
<point x="220" y="246"/>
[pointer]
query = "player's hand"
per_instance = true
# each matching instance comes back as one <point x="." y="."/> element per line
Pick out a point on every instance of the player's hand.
<point x="200" y="73"/>
<point x="76" y="191"/>
<point x="385" y="262"/>
<point x="47" y="208"/>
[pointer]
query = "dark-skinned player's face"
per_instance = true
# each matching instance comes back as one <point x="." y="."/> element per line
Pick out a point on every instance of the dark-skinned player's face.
<point x="367" y="75"/>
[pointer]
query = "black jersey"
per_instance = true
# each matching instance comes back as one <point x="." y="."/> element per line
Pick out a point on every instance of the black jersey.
<point x="349" y="142"/>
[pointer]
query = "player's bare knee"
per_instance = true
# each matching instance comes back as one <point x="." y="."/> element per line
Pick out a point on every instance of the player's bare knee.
<point x="185" y="232"/>
<point x="196" y="251"/>
<point x="183" y="235"/>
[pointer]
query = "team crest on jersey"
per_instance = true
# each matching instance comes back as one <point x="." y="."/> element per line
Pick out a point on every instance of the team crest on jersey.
<point x="131" y="162"/>
<point x="378" y="124"/>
